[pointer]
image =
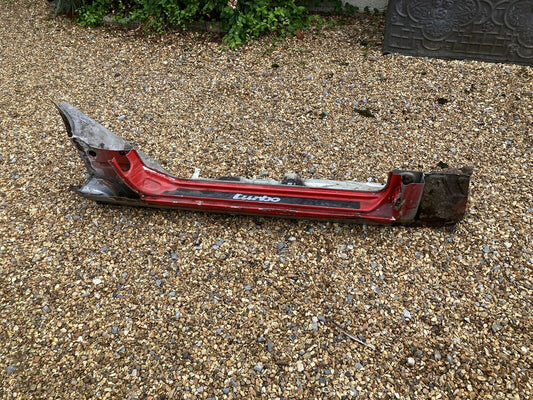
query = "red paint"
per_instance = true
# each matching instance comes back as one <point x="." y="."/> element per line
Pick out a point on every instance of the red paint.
<point x="394" y="203"/>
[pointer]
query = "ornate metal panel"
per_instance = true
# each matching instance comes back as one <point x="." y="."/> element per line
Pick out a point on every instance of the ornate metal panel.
<point x="489" y="30"/>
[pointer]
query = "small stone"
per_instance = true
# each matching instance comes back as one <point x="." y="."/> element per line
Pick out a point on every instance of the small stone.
<point x="218" y="244"/>
<point x="411" y="361"/>
<point x="258" y="367"/>
<point x="496" y="328"/>
<point x="225" y="390"/>
<point x="300" y="366"/>
<point x="10" y="369"/>
<point x="97" y="281"/>
<point x="437" y="355"/>
<point x="358" y="366"/>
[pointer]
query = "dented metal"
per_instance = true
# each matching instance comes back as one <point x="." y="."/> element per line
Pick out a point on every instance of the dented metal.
<point x="119" y="173"/>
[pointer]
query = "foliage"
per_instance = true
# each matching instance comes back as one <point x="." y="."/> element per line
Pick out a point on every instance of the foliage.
<point x="249" y="19"/>
<point x="241" y="20"/>
<point x="93" y="14"/>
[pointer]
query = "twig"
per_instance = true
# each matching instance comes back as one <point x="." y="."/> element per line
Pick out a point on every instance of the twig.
<point x="350" y="336"/>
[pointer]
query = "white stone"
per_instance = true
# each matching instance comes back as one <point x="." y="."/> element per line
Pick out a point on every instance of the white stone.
<point x="300" y="366"/>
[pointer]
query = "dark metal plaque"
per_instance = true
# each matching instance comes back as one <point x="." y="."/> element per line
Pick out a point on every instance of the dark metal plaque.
<point x="488" y="30"/>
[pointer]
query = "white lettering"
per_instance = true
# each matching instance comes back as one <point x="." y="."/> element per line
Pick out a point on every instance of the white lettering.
<point x="248" y="197"/>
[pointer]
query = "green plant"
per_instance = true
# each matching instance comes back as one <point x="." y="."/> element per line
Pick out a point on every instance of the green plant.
<point x="161" y="15"/>
<point x="241" y="20"/>
<point x="375" y="11"/>
<point x="93" y="14"/>
<point x="244" y="20"/>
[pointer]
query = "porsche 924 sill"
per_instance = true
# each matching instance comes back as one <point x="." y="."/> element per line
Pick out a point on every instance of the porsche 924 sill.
<point x="119" y="173"/>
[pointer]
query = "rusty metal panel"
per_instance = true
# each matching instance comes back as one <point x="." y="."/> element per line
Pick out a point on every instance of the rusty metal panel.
<point x="488" y="30"/>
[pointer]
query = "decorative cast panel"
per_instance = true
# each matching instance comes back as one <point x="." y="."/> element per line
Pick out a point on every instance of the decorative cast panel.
<point x="500" y="31"/>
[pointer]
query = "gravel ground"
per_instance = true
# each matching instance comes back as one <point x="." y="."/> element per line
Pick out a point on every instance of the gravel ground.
<point x="114" y="302"/>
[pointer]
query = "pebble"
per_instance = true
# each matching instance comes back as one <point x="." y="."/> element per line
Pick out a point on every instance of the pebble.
<point x="300" y="366"/>
<point x="315" y="323"/>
